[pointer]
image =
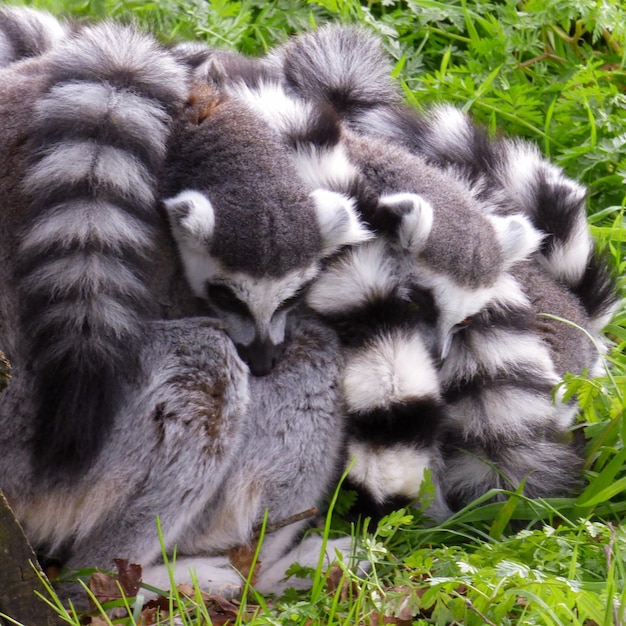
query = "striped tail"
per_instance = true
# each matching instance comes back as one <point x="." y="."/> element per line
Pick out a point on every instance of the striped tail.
<point x="97" y="145"/>
<point x="343" y="66"/>
<point x="511" y="176"/>
<point x="25" y="32"/>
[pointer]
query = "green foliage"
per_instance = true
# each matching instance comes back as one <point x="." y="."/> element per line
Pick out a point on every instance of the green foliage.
<point x="553" y="72"/>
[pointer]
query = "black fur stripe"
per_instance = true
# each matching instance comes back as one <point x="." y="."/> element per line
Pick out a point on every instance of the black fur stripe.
<point x="555" y="212"/>
<point x="415" y="421"/>
<point x="514" y="377"/>
<point x="597" y="287"/>
<point x="323" y="129"/>
<point x="381" y="315"/>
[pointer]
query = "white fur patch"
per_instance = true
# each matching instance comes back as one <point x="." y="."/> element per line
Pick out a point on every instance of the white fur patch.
<point x="451" y="130"/>
<point x="75" y="161"/>
<point x="338" y="220"/>
<point x="360" y="274"/>
<point x="390" y="471"/>
<point x="568" y="260"/>
<point x="517" y="236"/>
<point x="192" y="218"/>
<point x="83" y="222"/>
<point x="272" y="575"/>
<point x="394" y="368"/>
<point x="214" y="575"/>
<point x="416" y="224"/>
<point x="324" y="167"/>
<point x="281" y="111"/>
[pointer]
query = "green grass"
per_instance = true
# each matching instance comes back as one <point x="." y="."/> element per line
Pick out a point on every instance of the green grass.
<point x="553" y="72"/>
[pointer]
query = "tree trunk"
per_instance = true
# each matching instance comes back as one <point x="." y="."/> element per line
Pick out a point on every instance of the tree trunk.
<point x="18" y="575"/>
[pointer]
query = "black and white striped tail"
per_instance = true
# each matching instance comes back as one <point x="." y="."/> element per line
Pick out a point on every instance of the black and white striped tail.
<point x="97" y="144"/>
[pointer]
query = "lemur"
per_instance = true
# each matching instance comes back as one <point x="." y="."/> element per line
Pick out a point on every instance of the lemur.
<point x="126" y="401"/>
<point x="499" y="359"/>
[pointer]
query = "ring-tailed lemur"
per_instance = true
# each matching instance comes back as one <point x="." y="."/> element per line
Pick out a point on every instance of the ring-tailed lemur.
<point x="371" y="293"/>
<point x="345" y="67"/>
<point x="90" y="269"/>
<point x="501" y="359"/>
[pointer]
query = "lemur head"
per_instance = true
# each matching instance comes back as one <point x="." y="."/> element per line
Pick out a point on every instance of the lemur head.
<point x="249" y="234"/>
<point x="437" y="260"/>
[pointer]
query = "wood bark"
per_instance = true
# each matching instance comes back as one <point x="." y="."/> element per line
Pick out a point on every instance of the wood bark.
<point x="18" y="576"/>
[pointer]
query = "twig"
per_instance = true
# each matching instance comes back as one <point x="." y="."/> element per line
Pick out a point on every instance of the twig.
<point x="292" y="519"/>
<point x="610" y="42"/>
<point x="542" y="57"/>
<point x="471" y="607"/>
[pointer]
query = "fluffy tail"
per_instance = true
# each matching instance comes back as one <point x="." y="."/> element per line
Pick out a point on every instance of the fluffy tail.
<point x="343" y="66"/>
<point x="26" y="33"/>
<point x="509" y="176"/>
<point x="97" y="144"/>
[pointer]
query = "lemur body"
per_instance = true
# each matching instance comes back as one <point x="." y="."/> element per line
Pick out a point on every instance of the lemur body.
<point x="96" y="310"/>
<point x="500" y="357"/>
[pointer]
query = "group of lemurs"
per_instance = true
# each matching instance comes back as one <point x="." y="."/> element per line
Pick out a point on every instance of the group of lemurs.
<point x="226" y="279"/>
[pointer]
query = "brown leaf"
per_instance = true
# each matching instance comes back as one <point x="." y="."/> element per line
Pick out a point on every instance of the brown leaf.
<point x="241" y="558"/>
<point x="335" y="577"/>
<point x="221" y="611"/>
<point x="149" y="617"/>
<point x="129" y="575"/>
<point x="104" y="587"/>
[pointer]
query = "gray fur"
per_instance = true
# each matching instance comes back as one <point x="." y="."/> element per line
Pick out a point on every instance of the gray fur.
<point x="209" y="449"/>
<point x="26" y="32"/>
<point x="189" y="428"/>
<point x="78" y="141"/>
<point x="344" y="65"/>
<point x="501" y="358"/>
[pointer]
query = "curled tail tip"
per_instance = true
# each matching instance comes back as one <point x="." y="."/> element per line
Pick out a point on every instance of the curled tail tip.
<point x="344" y="65"/>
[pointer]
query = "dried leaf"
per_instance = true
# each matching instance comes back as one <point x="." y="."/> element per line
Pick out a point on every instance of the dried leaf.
<point x="241" y="558"/>
<point x="149" y="617"/>
<point x="221" y="611"/>
<point x="129" y="576"/>
<point x="335" y="577"/>
<point x="104" y="587"/>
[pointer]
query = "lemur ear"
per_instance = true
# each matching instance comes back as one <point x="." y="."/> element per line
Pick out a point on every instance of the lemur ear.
<point x="192" y="219"/>
<point x="517" y="236"/>
<point x="416" y="219"/>
<point x="338" y="221"/>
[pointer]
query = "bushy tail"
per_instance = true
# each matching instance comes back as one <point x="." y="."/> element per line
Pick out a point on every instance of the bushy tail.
<point x="25" y="32"/>
<point x="510" y="176"/>
<point x="343" y="66"/>
<point x="97" y="145"/>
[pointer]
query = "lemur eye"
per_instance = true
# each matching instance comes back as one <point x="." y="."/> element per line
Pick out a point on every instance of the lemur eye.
<point x="224" y="298"/>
